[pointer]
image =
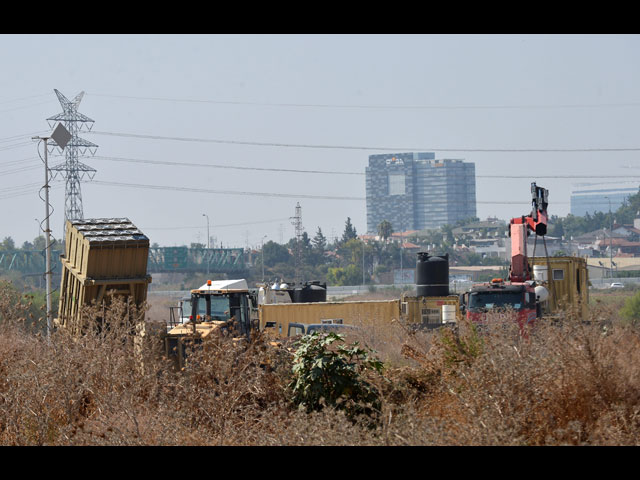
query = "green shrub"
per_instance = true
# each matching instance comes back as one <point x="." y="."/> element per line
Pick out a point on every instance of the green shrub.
<point x="631" y="308"/>
<point x="326" y="376"/>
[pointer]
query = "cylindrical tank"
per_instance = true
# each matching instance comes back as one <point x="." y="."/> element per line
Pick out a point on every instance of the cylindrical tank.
<point x="432" y="275"/>
<point x="310" y="292"/>
<point x="542" y="294"/>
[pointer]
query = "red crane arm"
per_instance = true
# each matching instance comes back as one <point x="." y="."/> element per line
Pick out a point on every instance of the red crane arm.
<point x="519" y="231"/>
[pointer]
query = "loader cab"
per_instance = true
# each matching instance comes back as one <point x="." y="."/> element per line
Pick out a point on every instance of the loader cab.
<point x="222" y="306"/>
<point x="185" y="309"/>
<point x="206" y="307"/>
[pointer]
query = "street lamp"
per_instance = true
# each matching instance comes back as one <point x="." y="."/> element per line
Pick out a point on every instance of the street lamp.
<point x="262" y="250"/>
<point x="61" y="137"/>
<point x="363" y="262"/>
<point x="208" y="237"/>
<point x="401" y="251"/>
<point x="610" y="240"/>
<point x="205" y="215"/>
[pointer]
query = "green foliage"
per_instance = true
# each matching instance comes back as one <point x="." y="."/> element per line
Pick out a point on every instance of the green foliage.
<point x="627" y="212"/>
<point x="349" y="275"/>
<point x="7" y="244"/>
<point x="275" y="253"/>
<point x="325" y="375"/>
<point x="319" y="242"/>
<point x="349" y="231"/>
<point x="29" y="307"/>
<point x="460" y="347"/>
<point x="631" y="309"/>
<point x="385" y="229"/>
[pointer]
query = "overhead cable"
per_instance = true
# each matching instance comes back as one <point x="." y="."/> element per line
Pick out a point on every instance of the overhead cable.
<point x="224" y="192"/>
<point x="246" y="168"/>
<point x="352" y="147"/>
<point x="375" y="107"/>
<point x="263" y="194"/>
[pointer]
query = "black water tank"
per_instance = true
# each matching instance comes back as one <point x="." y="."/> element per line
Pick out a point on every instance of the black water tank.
<point x="311" y="292"/>
<point x="432" y="275"/>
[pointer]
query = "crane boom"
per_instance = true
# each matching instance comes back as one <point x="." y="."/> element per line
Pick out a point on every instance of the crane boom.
<point x="519" y="228"/>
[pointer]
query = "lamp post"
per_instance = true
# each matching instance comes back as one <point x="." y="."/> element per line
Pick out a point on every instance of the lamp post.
<point x="208" y="237"/>
<point x="363" y="262"/>
<point x="205" y="215"/>
<point x="401" y="251"/>
<point x="61" y="137"/>
<point x="262" y="251"/>
<point x="610" y="240"/>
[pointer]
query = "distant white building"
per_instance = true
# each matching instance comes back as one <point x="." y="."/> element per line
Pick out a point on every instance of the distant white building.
<point x="591" y="199"/>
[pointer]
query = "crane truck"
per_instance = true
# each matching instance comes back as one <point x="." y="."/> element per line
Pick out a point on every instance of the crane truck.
<point x="519" y="292"/>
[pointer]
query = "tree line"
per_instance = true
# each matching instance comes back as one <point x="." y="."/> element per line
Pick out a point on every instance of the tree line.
<point x="348" y="260"/>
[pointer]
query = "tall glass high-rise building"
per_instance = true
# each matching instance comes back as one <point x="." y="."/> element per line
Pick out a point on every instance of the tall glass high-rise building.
<point x="414" y="191"/>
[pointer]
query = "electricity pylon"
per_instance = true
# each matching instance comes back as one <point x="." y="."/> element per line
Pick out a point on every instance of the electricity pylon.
<point x="72" y="170"/>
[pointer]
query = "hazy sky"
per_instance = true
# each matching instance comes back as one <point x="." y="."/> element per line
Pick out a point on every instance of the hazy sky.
<point x="560" y="110"/>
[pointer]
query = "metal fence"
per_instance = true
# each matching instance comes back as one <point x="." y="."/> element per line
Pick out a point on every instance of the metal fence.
<point x="454" y="288"/>
<point x="606" y="282"/>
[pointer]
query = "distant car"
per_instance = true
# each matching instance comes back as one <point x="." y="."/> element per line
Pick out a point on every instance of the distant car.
<point x="616" y="285"/>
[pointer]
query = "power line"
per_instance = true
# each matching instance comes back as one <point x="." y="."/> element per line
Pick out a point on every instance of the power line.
<point x="219" y="226"/>
<point x="19" y="169"/>
<point x="16" y="145"/>
<point x="18" y="161"/>
<point x="22" y="136"/>
<point x="377" y="107"/>
<point x="224" y="192"/>
<point x="24" y="106"/>
<point x="24" y="98"/>
<point x="28" y="189"/>
<point x="19" y="187"/>
<point x="265" y="194"/>
<point x="330" y="172"/>
<point x="351" y="147"/>
<point x="288" y="170"/>
<point x="558" y="176"/>
<point x="208" y="165"/>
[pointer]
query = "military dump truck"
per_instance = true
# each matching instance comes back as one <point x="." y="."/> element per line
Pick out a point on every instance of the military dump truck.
<point x="103" y="258"/>
<point x="285" y="320"/>
<point x="431" y="307"/>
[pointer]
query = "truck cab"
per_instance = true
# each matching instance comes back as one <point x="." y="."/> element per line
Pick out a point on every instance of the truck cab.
<point x="500" y="296"/>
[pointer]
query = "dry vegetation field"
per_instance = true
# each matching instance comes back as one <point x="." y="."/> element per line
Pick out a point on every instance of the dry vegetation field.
<point x="573" y="383"/>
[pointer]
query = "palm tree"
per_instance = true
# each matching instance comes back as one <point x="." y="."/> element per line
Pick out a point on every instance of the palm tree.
<point x="385" y="229"/>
